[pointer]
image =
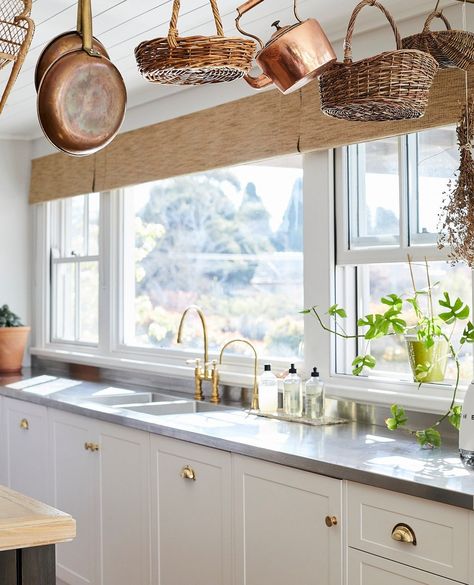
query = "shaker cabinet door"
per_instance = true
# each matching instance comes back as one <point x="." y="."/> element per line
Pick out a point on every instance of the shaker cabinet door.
<point x="25" y="448"/>
<point x="75" y="472"/>
<point x="281" y="529"/>
<point x="191" y="514"/>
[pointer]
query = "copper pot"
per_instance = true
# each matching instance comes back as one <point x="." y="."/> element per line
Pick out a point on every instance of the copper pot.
<point x="82" y="97"/>
<point x="294" y="55"/>
<point x="62" y="44"/>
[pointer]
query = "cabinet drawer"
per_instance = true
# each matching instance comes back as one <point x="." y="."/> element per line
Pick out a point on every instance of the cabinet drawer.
<point x="441" y="531"/>
<point x="366" y="569"/>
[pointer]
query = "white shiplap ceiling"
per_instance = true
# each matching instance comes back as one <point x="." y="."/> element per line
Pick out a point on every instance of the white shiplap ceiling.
<point x="122" y="24"/>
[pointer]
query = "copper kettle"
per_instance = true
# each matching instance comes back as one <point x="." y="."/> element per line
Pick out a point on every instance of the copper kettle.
<point x="294" y="55"/>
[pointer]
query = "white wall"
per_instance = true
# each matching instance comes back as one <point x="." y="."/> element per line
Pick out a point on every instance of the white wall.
<point x="15" y="243"/>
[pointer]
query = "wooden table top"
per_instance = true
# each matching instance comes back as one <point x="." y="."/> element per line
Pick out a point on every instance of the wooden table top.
<point x="25" y="522"/>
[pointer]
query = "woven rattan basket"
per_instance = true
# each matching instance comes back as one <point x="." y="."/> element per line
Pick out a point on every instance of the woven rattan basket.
<point x="451" y="48"/>
<point x="394" y="85"/>
<point x="194" y="60"/>
<point x="16" y="33"/>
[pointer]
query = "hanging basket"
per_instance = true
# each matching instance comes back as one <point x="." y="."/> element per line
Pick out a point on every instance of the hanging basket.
<point x="16" y="33"/>
<point x="451" y="48"/>
<point x="195" y="60"/>
<point x="394" y="85"/>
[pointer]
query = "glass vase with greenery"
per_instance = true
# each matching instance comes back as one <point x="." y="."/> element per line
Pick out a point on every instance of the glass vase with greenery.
<point x="431" y="329"/>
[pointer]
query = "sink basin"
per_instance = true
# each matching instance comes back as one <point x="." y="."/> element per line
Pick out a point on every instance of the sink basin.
<point x="174" y="407"/>
<point x="131" y="398"/>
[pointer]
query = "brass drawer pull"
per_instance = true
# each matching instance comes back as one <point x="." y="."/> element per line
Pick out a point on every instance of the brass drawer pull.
<point x="93" y="447"/>
<point x="404" y="533"/>
<point x="24" y="424"/>
<point x="331" y="521"/>
<point x="188" y="473"/>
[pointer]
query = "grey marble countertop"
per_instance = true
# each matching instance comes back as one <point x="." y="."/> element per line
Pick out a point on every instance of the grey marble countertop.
<point x="367" y="454"/>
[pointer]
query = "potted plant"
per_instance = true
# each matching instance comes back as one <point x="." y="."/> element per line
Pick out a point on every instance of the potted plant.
<point x="429" y="341"/>
<point x="13" y="338"/>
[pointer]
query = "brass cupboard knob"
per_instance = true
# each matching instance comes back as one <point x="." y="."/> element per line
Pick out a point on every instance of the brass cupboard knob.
<point x="331" y="521"/>
<point x="24" y="424"/>
<point x="93" y="447"/>
<point x="188" y="473"/>
<point x="404" y="533"/>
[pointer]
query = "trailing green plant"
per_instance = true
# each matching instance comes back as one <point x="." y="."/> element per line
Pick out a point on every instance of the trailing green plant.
<point x="429" y="327"/>
<point x="8" y="318"/>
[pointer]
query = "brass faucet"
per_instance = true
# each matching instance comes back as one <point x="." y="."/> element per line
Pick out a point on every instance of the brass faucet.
<point x="200" y="374"/>
<point x="255" y="404"/>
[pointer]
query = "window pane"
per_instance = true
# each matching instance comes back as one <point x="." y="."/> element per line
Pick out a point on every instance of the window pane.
<point x="64" y="301"/>
<point x="89" y="302"/>
<point x="229" y="241"/>
<point x="378" y="280"/>
<point x="437" y="160"/>
<point x="75" y="235"/>
<point x="374" y="187"/>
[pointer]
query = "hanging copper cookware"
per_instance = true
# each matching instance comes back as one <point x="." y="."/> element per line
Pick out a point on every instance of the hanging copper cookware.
<point x="294" y="55"/>
<point x="82" y="97"/>
<point x="63" y="43"/>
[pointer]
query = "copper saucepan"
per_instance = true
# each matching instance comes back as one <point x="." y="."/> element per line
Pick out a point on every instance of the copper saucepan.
<point x="294" y="55"/>
<point x="63" y="43"/>
<point x="82" y="97"/>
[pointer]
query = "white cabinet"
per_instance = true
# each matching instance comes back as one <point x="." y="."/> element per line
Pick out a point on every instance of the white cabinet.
<point x="367" y="569"/>
<point x="101" y="477"/>
<point x="24" y="448"/>
<point x="191" y="514"/>
<point x="281" y="535"/>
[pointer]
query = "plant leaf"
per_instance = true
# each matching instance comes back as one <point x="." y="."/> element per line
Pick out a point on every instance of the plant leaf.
<point x="428" y="438"/>
<point x="455" y="416"/>
<point x="468" y="334"/>
<point x="337" y="311"/>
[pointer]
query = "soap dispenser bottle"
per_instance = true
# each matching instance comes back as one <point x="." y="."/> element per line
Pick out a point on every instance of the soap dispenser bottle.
<point x="268" y="391"/>
<point x="292" y="393"/>
<point x="314" y="396"/>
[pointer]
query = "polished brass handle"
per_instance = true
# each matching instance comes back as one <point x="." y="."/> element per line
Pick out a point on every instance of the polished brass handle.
<point x="404" y="533"/>
<point x="91" y="447"/>
<point x="188" y="473"/>
<point x="24" y="424"/>
<point x="331" y="521"/>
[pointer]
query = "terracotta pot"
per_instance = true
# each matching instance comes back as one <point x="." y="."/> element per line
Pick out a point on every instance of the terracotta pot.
<point x="12" y="348"/>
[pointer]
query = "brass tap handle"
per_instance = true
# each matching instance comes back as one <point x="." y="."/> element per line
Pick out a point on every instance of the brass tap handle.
<point x="24" y="424"/>
<point x="214" y="376"/>
<point x="330" y="521"/>
<point x="404" y="533"/>
<point x="188" y="473"/>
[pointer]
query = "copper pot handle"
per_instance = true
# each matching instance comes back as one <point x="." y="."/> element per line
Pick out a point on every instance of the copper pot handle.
<point x="434" y="15"/>
<point x="241" y="10"/>
<point x="350" y="28"/>
<point x="86" y="20"/>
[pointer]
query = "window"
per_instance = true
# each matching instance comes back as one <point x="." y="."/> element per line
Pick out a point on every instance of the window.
<point x="388" y="205"/>
<point x="230" y="241"/>
<point x="75" y="270"/>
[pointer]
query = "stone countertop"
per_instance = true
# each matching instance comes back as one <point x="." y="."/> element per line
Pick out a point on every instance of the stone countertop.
<point x="25" y="522"/>
<point x="366" y="454"/>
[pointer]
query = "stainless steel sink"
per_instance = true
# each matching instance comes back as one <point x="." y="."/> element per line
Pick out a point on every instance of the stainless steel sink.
<point x="174" y="407"/>
<point x="131" y="398"/>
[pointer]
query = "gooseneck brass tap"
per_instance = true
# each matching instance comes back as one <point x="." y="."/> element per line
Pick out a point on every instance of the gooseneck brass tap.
<point x="207" y="372"/>
<point x="255" y="404"/>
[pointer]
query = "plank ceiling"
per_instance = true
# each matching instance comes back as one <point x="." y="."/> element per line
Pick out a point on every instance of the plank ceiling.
<point x="122" y="24"/>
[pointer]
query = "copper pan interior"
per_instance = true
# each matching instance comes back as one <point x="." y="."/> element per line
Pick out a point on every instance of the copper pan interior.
<point x="81" y="103"/>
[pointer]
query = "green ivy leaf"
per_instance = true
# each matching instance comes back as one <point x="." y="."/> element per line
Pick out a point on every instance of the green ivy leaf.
<point x="455" y="311"/>
<point x="394" y="301"/>
<point x="337" y="311"/>
<point x="468" y="334"/>
<point x="428" y="438"/>
<point x="398" y="418"/>
<point x="361" y="362"/>
<point x="455" y="416"/>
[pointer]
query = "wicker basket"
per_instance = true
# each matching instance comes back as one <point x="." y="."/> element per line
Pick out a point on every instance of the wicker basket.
<point x="451" y="48"/>
<point x="16" y="33"/>
<point x="194" y="60"/>
<point x="394" y="85"/>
